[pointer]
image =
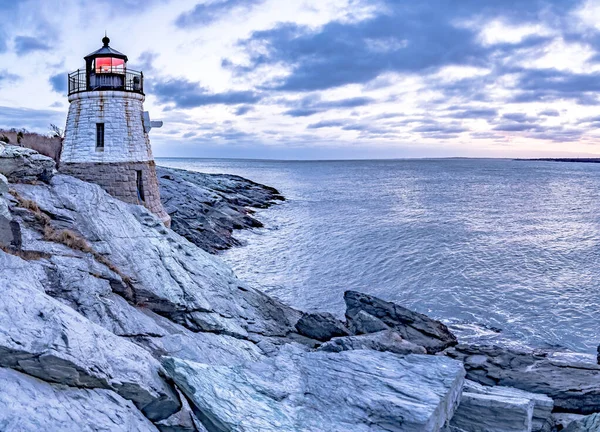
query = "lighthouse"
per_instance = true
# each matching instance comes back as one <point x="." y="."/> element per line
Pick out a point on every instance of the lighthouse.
<point x="106" y="136"/>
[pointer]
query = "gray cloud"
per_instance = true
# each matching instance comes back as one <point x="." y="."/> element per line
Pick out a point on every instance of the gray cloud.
<point x="440" y="128"/>
<point x="243" y="110"/>
<point x="186" y="94"/>
<point x="327" y="124"/>
<point x="313" y="104"/>
<point x="474" y="113"/>
<point x="405" y="37"/>
<point x="549" y="113"/>
<point x="59" y="82"/>
<point x="514" y="127"/>
<point x="518" y="117"/>
<point x="32" y="119"/>
<point x="6" y="77"/>
<point x="28" y="44"/>
<point x="209" y="11"/>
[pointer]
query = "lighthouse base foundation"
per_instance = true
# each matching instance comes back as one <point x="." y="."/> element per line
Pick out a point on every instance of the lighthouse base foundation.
<point x="131" y="182"/>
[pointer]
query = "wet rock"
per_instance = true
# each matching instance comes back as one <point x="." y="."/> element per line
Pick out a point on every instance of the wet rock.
<point x="492" y="413"/>
<point x="28" y="404"/>
<point x="590" y="423"/>
<point x="207" y="208"/>
<point x="412" y="326"/>
<point x="20" y="164"/>
<point x="542" y="404"/>
<point x="44" y="338"/>
<point x="387" y="340"/>
<point x="321" y="326"/>
<point x="572" y="384"/>
<point x="299" y="391"/>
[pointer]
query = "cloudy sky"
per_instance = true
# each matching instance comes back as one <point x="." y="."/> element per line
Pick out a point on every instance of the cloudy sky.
<point x="324" y="78"/>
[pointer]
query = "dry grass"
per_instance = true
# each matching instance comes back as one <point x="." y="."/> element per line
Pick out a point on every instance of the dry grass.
<point x="48" y="146"/>
<point x="25" y="254"/>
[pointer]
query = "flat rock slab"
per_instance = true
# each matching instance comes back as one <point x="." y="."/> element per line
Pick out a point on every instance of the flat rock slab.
<point x="542" y="404"/>
<point x="31" y="405"/>
<point x="573" y="385"/>
<point x="317" y="391"/>
<point x="366" y="314"/>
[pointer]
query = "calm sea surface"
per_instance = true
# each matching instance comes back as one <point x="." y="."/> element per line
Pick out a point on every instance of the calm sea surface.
<point x="501" y="250"/>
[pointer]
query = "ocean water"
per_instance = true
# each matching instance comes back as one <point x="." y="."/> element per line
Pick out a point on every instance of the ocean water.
<point x="503" y="251"/>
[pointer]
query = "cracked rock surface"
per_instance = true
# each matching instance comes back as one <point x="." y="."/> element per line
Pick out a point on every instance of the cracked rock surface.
<point x="318" y="391"/>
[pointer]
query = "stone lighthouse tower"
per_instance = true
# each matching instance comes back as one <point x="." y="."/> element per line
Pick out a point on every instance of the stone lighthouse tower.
<point x="106" y="137"/>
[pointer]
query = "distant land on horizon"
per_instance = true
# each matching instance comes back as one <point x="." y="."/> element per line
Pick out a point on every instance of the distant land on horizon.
<point x="580" y="160"/>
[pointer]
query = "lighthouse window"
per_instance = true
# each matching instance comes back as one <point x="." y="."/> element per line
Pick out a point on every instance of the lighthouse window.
<point x="109" y="65"/>
<point x="140" y="186"/>
<point x="100" y="136"/>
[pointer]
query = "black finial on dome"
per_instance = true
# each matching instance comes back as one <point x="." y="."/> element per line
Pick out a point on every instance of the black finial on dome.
<point x="105" y="40"/>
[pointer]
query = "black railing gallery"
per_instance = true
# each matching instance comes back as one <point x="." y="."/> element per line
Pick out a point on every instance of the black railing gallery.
<point x="129" y="81"/>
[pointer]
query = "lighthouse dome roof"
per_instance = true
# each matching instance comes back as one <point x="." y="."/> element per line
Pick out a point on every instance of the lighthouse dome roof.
<point x="106" y="51"/>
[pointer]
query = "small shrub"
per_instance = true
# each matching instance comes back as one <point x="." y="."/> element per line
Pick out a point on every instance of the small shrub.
<point x="56" y="132"/>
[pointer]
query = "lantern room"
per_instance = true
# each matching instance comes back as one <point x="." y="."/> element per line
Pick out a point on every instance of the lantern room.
<point x="106" y="69"/>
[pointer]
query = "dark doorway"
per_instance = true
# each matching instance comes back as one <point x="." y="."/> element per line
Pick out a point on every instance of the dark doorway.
<point x="140" y="186"/>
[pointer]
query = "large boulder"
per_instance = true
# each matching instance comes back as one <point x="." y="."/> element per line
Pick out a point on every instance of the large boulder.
<point x="387" y="340"/>
<point x="318" y="391"/>
<point x="364" y="311"/>
<point x="42" y="337"/>
<point x="206" y="208"/>
<point x="542" y="406"/>
<point x="28" y="404"/>
<point x="573" y="384"/>
<point x="20" y="164"/>
<point x="492" y="413"/>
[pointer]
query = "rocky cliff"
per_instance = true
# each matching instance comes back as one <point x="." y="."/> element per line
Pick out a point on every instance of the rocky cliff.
<point x="207" y="208"/>
<point x="111" y="322"/>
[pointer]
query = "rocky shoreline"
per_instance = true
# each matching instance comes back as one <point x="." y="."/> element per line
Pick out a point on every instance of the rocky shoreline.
<point x="207" y="208"/>
<point x="111" y="322"/>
